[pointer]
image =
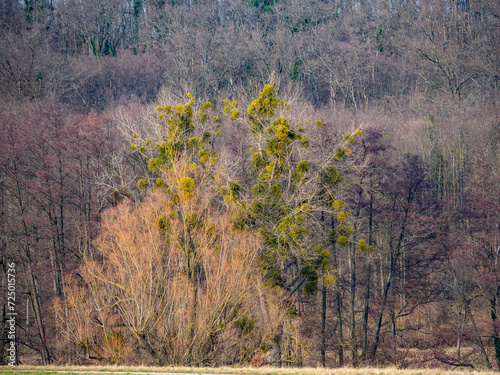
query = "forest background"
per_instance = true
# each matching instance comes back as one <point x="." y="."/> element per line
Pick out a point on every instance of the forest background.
<point x="346" y="214"/>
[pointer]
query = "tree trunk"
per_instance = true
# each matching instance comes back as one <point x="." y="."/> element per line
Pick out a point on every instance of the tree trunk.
<point x="366" y="310"/>
<point x="338" y="299"/>
<point x="478" y="335"/>
<point x="340" y="336"/>
<point x="352" y="302"/>
<point x="385" y="294"/>
<point x="459" y="338"/>
<point x="323" y="326"/>
<point x="32" y="285"/>
<point x="276" y="352"/>
<point x="496" y="336"/>
<point x="37" y="309"/>
<point x="323" y="315"/>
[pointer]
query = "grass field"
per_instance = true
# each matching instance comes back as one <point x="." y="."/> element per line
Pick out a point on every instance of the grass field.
<point x="54" y="370"/>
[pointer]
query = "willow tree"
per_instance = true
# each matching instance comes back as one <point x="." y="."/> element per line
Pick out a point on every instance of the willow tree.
<point x="171" y="274"/>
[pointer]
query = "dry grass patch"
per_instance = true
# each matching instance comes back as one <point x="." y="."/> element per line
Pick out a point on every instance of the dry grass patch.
<point x="50" y="370"/>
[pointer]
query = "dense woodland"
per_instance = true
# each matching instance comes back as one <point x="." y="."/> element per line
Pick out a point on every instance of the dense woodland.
<point x="215" y="182"/>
